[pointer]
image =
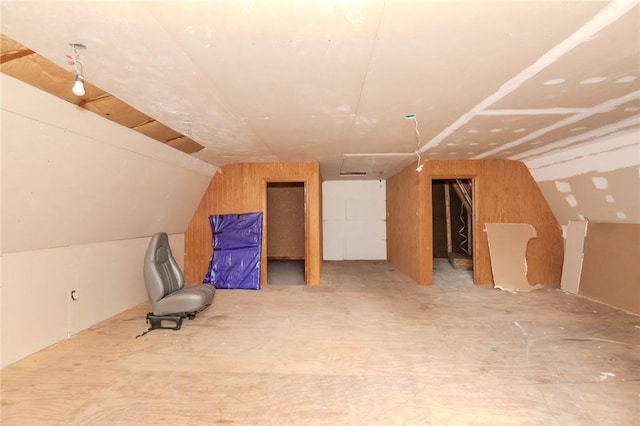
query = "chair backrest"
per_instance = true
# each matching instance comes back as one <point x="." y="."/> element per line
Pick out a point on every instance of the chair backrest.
<point x="162" y="275"/>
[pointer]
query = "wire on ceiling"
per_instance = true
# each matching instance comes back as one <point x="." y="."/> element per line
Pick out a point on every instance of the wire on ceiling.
<point x="413" y="117"/>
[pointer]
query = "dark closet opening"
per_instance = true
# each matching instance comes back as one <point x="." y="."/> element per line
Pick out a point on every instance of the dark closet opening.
<point x="285" y="233"/>
<point x="452" y="204"/>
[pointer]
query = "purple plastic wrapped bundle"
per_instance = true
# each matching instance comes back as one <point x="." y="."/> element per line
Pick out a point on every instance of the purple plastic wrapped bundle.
<point x="235" y="262"/>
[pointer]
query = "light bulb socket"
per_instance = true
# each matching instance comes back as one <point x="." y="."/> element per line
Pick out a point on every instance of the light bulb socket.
<point x="78" y="86"/>
<point x="77" y="46"/>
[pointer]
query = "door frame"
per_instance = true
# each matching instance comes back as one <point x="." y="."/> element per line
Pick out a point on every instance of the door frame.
<point x="474" y="216"/>
<point x="265" y="230"/>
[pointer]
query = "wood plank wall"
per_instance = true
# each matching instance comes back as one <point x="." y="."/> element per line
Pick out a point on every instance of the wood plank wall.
<point x="241" y="188"/>
<point x="405" y="224"/>
<point x="504" y="192"/>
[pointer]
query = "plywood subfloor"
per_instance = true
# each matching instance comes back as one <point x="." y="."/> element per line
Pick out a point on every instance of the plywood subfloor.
<point x="367" y="347"/>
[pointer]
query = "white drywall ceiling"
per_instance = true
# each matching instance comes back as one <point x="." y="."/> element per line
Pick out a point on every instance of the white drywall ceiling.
<point x="318" y="80"/>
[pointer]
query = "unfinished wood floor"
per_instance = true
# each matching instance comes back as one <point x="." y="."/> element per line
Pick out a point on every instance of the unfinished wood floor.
<point x="366" y="347"/>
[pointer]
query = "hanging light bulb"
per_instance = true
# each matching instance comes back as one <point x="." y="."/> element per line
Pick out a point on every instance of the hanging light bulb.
<point x="78" y="86"/>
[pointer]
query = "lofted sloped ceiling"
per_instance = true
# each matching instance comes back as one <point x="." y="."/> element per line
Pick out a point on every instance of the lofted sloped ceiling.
<point x="332" y="81"/>
<point x="30" y="67"/>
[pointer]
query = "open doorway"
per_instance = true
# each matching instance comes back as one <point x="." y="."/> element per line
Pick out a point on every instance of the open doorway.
<point x="452" y="206"/>
<point x="285" y="232"/>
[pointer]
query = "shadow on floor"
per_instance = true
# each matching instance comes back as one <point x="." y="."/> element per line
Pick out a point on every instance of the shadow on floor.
<point x="285" y="272"/>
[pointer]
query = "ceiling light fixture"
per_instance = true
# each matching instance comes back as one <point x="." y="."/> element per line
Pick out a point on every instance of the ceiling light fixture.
<point x="78" y="85"/>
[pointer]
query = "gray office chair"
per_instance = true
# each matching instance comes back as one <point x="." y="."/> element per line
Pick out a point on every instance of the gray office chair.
<point x="172" y="300"/>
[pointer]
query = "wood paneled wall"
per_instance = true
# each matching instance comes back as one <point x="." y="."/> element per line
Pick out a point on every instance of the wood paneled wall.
<point x="241" y="188"/>
<point x="503" y="192"/>
<point x="405" y="225"/>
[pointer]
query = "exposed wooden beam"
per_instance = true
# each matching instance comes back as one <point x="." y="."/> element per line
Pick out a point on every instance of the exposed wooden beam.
<point x="458" y="191"/>
<point x="136" y="127"/>
<point x="96" y="98"/>
<point x="17" y="54"/>
<point x="174" y="139"/>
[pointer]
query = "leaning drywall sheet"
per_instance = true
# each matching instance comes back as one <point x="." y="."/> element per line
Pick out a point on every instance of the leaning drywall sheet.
<point x="508" y="249"/>
<point x="573" y="254"/>
<point x="611" y="270"/>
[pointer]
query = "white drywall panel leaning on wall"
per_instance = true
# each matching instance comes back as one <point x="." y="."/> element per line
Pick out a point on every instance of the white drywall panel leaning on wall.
<point x="508" y="250"/>
<point x="573" y="255"/>
<point x="81" y="195"/>
<point x="1" y="280"/>
<point x="353" y="215"/>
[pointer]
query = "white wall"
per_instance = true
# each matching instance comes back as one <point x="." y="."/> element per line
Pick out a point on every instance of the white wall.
<point x="1" y="251"/>
<point x="81" y="197"/>
<point x="354" y="220"/>
<point x="598" y="181"/>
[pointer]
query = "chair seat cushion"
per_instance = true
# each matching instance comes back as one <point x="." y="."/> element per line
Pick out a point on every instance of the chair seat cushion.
<point x="188" y="299"/>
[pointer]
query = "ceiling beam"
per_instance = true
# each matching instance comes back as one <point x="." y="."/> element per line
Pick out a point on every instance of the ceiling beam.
<point x="7" y="57"/>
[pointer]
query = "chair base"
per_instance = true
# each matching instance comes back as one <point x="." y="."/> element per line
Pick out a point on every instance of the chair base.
<point x="157" y="322"/>
<point x="160" y="321"/>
